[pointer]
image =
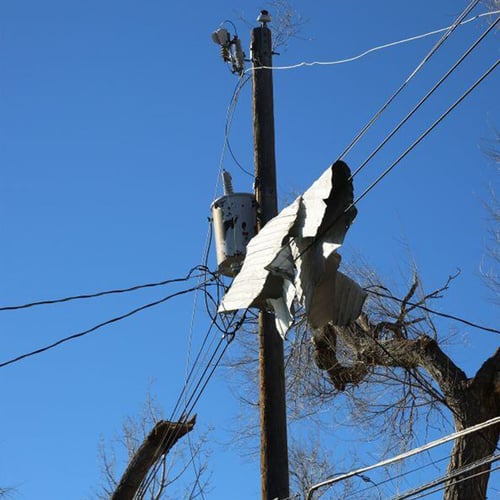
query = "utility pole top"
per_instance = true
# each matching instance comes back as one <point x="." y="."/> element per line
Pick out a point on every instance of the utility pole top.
<point x="264" y="18"/>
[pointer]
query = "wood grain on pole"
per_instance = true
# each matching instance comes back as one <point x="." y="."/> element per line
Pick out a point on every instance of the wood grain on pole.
<point x="274" y="451"/>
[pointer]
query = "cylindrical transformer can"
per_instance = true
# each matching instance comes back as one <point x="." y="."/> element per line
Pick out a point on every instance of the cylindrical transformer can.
<point x="235" y="219"/>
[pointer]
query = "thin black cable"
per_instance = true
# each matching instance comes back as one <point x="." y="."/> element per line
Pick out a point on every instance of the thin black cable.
<point x="460" y="481"/>
<point x="424" y="383"/>
<point x="186" y="412"/>
<point x="405" y="83"/>
<point x="228" y="21"/>
<point x="96" y="327"/>
<point x="193" y="461"/>
<point x="229" y="119"/>
<point x="453" y="474"/>
<point x="106" y="292"/>
<point x="413" y="372"/>
<point x="166" y="442"/>
<point x="398" y="476"/>
<point x="401" y="157"/>
<point x="429" y="93"/>
<point x="432" y="311"/>
<point x="424" y="134"/>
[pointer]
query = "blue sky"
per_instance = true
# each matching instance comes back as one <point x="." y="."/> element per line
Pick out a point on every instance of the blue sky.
<point x="112" y="120"/>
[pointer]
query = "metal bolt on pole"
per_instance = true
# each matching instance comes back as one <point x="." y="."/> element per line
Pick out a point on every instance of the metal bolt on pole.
<point x="274" y="451"/>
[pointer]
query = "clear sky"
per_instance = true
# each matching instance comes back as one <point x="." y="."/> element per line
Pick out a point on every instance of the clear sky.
<point x="112" y="118"/>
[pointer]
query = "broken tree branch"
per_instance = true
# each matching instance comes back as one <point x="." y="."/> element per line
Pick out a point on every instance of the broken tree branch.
<point x="159" y="441"/>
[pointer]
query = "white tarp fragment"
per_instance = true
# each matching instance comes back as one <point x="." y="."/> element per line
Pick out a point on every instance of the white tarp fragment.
<point x="253" y="285"/>
<point x="295" y="254"/>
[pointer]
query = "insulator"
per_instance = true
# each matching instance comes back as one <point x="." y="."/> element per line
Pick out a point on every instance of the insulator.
<point x="227" y="181"/>
<point x="239" y="56"/>
<point x="224" y="52"/>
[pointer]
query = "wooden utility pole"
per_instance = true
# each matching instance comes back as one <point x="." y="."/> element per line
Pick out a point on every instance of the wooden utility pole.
<point x="274" y="451"/>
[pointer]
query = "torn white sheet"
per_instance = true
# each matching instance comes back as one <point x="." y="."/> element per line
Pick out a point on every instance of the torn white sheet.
<point x="295" y="255"/>
<point x="254" y="284"/>
<point x="283" y="308"/>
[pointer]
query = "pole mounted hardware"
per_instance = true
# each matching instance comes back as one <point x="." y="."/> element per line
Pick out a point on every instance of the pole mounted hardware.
<point x="231" y="50"/>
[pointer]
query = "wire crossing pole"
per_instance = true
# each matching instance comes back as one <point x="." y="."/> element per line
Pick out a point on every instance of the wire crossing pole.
<point x="274" y="452"/>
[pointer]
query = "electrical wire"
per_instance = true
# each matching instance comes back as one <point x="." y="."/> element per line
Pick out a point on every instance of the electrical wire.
<point x="228" y="124"/>
<point x="424" y="134"/>
<point x="429" y="93"/>
<point x="452" y="475"/>
<point x="228" y="331"/>
<point x="422" y="381"/>
<point x="96" y="327"/>
<point x="206" y="253"/>
<point x="186" y="411"/>
<point x="103" y="293"/>
<point x="460" y="481"/>
<point x="407" y="454"/>
<point x="398" y="476"/>
<point x="433" y="50"/>
<point x="193" y="399"/>
<point x="377" y="48"/>
<point x="432" y="311"/>
<point x="166" y="443"/>
<point x="415" y="143"/>
<point x="227" y="127"/>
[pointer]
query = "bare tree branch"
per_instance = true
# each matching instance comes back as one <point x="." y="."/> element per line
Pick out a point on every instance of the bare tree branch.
<point x="164" y="433"/>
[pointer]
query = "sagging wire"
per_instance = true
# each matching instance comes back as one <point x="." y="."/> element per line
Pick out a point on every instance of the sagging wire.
<point x="205" y="257"/>
<point x="388" y="295"/>
<point x="228" y="124"/>
<point x="407" y="454"/>
<point x="194" y="398"/>
<point x="422" y="101"/>
<point x="401" y="157"/>
<point x="424" y="134"/>
<point x="103" y="293"/>
<point x="428" y="56"/>
<point x="398" y="476"/>
<point x="98" y="326"/>
<point x="452" y="475"/>
<point x="227" y="128"/>
<point x="377" y="48"/>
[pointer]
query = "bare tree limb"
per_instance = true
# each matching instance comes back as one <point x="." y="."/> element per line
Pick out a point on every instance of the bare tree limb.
<point x="164" y="432"/>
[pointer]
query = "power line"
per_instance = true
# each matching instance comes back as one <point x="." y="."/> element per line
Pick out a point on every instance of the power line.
<point x="440" y="42"/>
<point x="407" y="454"/>
<point x="227" y="127"/>
<point x="424" y="134"/>
<point x="193" y="399"/>
<point x="432" y="311"/>
<point x="96" y="327"/>
<point x="401" y="157"/>
<point x="377" y="48"/>
<point x="106" y="292"/>
<point x="398" y="476"/>
<point x="206" y="253"/>
<point x="229" y="121"/>
<point x="452" y="475"/>
<point x="460" y="481"/>
<point x="429" y="93"/>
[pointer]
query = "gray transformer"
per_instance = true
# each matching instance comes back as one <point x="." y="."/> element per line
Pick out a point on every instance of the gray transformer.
<point x="235" y="219"/>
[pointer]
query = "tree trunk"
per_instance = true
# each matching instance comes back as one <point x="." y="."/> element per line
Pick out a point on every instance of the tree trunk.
<point x="480" y="402"/>
<point x="471" y="401"/>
